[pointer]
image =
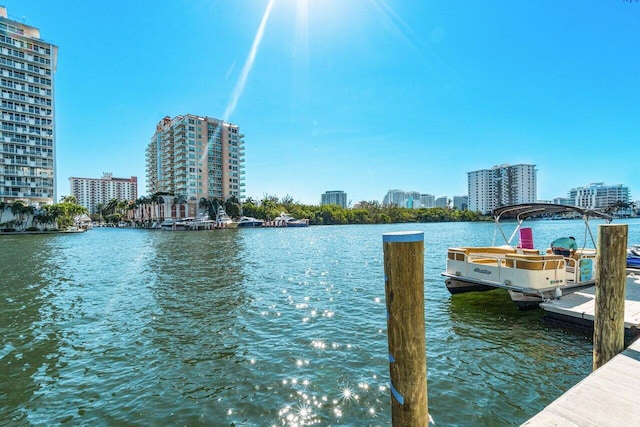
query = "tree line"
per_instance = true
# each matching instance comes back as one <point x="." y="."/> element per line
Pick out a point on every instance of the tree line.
<point x="58" y="216"/>
<point x="270" y="206"/>
<point x="365" y="212"/>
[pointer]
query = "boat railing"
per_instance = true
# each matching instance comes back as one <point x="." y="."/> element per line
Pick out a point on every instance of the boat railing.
<point x="474" y="253"/>
<point x="575" y="264"/>
<point x="535" y="262"/>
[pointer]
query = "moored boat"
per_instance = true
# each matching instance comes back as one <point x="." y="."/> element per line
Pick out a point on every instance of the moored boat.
<point x="223" y="220"/>
<point x="529" y="275"/>
<point x="286" y="220"/>
<point x="249" y="222"/>
<point x="633" y="256"/>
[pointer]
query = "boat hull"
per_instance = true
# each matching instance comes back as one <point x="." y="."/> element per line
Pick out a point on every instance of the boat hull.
<point x="460" y="286"/>
<point x="250" y="224"/>
<point x="633" y="262"/>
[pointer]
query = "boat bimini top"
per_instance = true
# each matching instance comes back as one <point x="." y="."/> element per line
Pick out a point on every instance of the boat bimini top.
<point x="523" y="211"/>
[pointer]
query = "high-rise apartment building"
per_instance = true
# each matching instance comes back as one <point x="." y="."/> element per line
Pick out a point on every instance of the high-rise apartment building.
<point x="461" y="203"/>
<point x="427" y="200"/>
<point x="599" y="196"/>
<point x="394" y="197"/>
<point x="501" y="186"/>
<point x="412" y="199"/>
<point x="196" y="157"/>
<point x="443" y="202"/>
<point x="27" y="152"/>
<point x="334" y="198"/>
<point x="93" y="191"/>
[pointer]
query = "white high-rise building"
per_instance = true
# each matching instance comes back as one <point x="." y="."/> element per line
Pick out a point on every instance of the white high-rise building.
<point x="427" y="200"/>
<point x="461" y="203"/>
<point x="599" y="196"/>
<point x="394" y="197"/>
<point x="443" y="202"/>
<point x="334" y="198"/>
<point x="192" y="157"/>
<point x="500" y="186"/>
<point x="27" y="151"/>
<point x="93" y="191"/>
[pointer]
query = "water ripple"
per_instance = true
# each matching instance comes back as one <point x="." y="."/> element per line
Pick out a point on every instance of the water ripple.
<point x="260" y="327"/>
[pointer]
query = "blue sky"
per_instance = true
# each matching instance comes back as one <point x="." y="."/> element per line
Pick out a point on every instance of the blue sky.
<point x="360" y="95"/>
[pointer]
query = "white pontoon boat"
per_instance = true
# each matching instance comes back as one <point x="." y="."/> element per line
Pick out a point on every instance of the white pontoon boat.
<point x="528" y="275"/>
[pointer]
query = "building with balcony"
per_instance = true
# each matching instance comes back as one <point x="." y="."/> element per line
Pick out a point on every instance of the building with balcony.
<point x="27" y="150"/>
<point x="334" y="198"/>
<point x="427" y="201"/>
<point x="90" y="192"/>
<point x="599" y="196"/>
<point x="501" y="186"/>
<point x="394" y="197"/>
<point x="192" y="157"/>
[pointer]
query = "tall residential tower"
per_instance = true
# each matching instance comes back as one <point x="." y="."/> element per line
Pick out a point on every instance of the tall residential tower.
<point x="334" y="197"/>
<point x="27" y="152"/>
<point x="91" y="192"/>
<point x="500" y="186"/>
<point x="193" y="157"/>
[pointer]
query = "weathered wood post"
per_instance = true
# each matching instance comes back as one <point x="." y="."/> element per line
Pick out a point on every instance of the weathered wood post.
<point x="404" y="291"/>
<point x="608" y="325"/>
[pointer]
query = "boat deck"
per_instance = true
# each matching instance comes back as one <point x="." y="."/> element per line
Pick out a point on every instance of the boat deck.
<point x="579" y="307"/>
<point x="607" y="397"/>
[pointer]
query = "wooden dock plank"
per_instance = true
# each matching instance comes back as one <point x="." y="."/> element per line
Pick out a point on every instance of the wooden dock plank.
<point x="581" y="304"/>
<point x="607" y="397"/>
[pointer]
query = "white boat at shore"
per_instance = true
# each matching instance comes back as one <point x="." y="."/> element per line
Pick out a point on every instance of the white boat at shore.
<point x="529" y="275"/>
<point x="286" y="220"/>
<point x="223" y="220"/>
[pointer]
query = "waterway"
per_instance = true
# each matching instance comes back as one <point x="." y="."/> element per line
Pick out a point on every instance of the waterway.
<point x="261" y="327"/>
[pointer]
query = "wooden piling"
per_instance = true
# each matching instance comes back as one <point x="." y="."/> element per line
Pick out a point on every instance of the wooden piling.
<point x="404" y="291"/>
<point x="608" y="326"/>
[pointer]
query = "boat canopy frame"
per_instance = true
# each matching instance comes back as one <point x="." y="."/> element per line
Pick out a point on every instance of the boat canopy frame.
<point x="523" y="211"/>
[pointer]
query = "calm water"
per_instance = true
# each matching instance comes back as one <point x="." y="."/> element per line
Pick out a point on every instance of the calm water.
<point x="260" y="327"/>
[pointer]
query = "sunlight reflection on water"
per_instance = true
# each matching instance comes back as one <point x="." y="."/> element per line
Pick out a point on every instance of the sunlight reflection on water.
<point x="258" y="327"/>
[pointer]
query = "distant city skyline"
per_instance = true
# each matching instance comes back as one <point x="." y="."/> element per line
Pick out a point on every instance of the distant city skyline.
<point x="362" y="95"/>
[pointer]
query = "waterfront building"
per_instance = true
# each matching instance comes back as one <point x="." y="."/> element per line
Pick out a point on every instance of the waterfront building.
<point x="564" y="201"/>
<point x="403" y="199"/>
<point x="334" y="198"/>
<point x="599" y="196"/>
<point x="27" y="152"/>
<point x="412" y="199"/>
<point x="427" y="200"/>
<point x="461" y="203"/>
<point x="443" y="202"/>
<point x="394" y="197"/>
<point x="500" y="186"/>
<point x="192" y="157"/>
<point x="90" y="192"/>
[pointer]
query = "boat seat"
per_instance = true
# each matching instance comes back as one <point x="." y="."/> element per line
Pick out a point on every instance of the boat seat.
<point x="494" y="261"/>
<point x="488" y="250"/>
<point x="534" y="262"/>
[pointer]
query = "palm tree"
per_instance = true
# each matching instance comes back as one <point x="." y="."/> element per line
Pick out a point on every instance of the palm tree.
<point x="232" y="206"/>
<point x="156" y="200"/>
<point x="100" y="210"/>
<point x="112" y="206"/>
<point x="28" y="211"/>
<point x="3" y="207"/>
<point x="17" y="209"/>
<point x="68" y="199"/>
<point x="207" y="205"/>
